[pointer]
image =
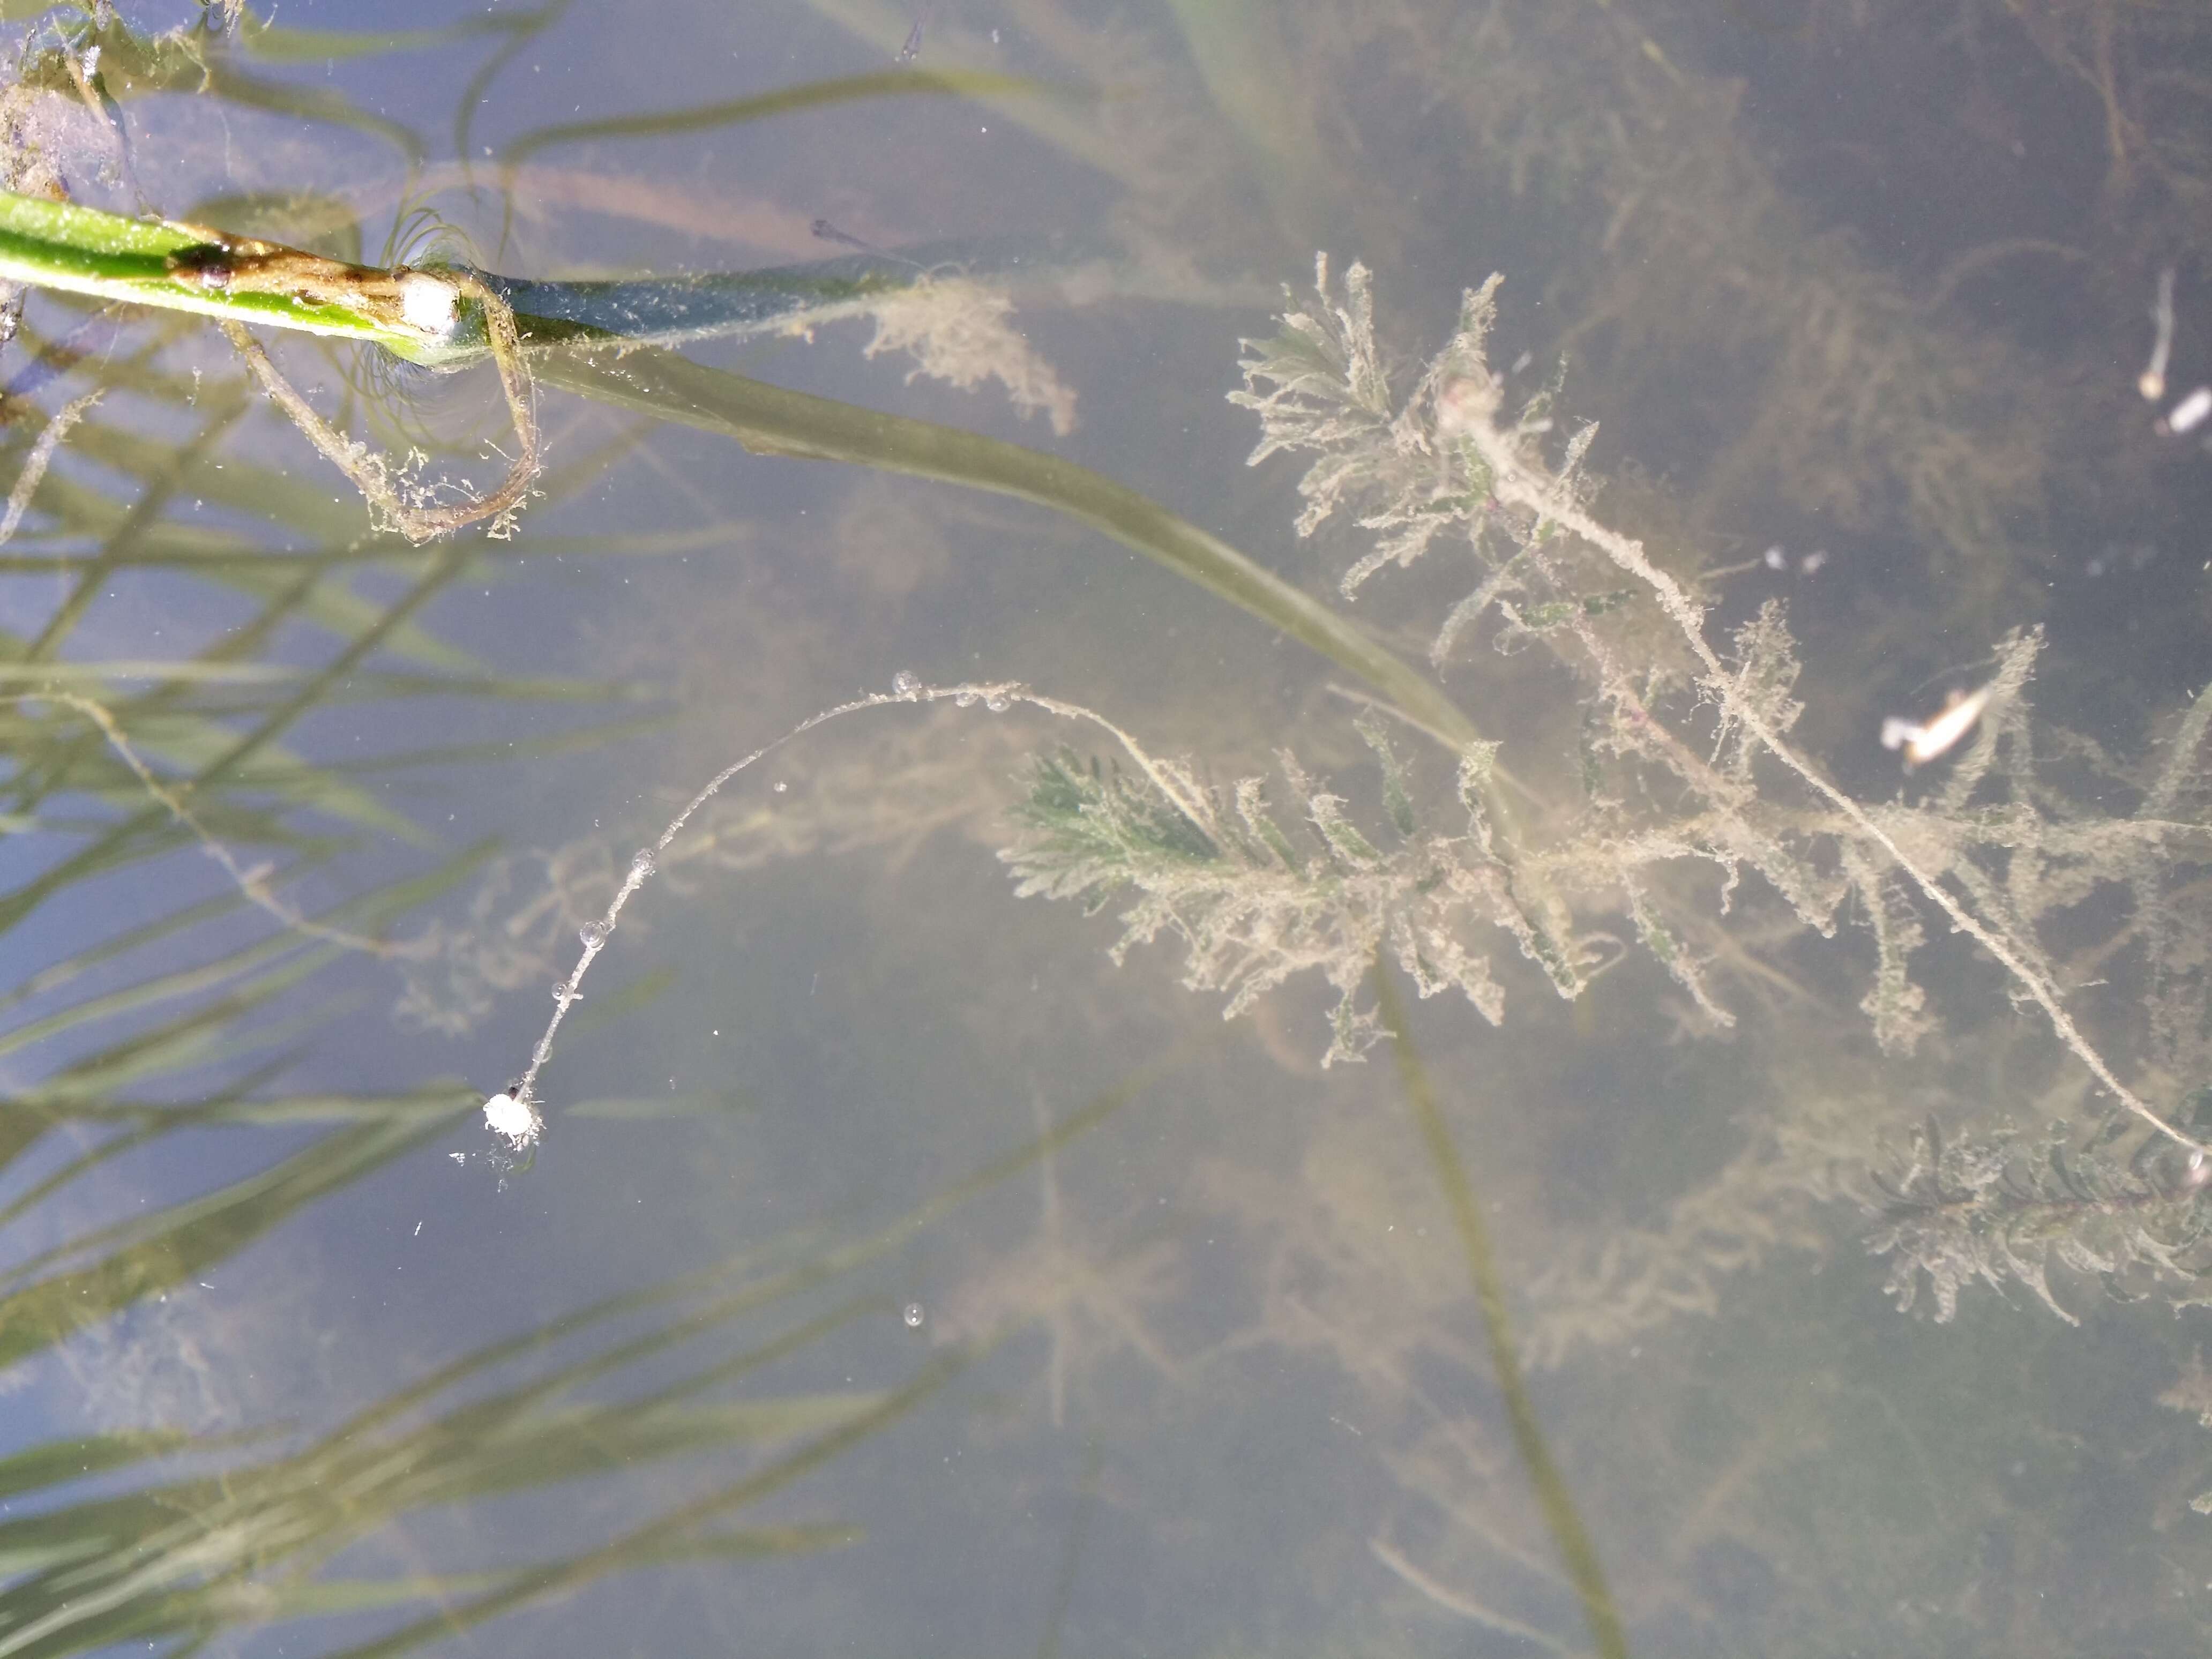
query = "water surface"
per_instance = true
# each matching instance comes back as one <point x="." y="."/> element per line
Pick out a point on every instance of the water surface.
<point x="898" y="1270"/>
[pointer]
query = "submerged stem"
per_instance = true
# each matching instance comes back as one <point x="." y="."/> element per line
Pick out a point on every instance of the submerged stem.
<point x="41" y="456"/>
<point x="515" y="1112"/>
<point x="252" y="883"/>
<point x="1567" y="1532"/>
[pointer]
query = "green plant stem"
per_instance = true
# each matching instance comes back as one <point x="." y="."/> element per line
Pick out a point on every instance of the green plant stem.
<point x="1575" y="1546"/>
<point x="80" y="249"/>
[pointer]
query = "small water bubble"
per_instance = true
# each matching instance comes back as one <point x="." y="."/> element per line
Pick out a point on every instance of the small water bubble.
<point x="562" y="995"/>
<point x="963" y="700"/>
<point x="594" y="934"/>
<point x="905" y="683"/>
<point x="998" y="703"/>
<point x="644" y="864"/>
<point x="780" y="786"/>
<point x="912" y="1315"/>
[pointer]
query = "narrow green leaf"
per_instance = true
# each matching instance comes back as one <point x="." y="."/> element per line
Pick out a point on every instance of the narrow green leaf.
<point x="769" y="420"/>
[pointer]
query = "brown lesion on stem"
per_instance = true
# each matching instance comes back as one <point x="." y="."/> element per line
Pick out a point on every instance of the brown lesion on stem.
<point x="420" y="304"/>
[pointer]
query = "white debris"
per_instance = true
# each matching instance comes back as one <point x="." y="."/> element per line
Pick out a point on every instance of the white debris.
<point x="429" y="304"/>
<point x="2190" y="412"/>
<point x="506" y="1116"/>
<point x="1922" y="744"/>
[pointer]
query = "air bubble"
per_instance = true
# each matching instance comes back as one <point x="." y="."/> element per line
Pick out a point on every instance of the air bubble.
<point x="594" y="934"/>
<point x="563" y="995"/>
<point x="998" y="703"/>
<point x="912" y="1315"/>
<point x="906" y="685"/>
<point x="643" y="865"/>
<point x="964" y="699"/>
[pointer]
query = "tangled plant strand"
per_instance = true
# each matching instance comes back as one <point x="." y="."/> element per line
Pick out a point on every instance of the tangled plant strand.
<point x="1452" y="459"/>
<point x="516" y="1112"/>
<point x="371" y="474"/>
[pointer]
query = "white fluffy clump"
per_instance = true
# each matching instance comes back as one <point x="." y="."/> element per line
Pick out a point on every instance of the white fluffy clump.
<point x="429" y="304"/>
<point x="506" y="1116"/>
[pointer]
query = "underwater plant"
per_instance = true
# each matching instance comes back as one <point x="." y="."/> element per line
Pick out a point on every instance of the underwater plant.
<point x="1687" y="756"/>
<point x="1617" y="777"/>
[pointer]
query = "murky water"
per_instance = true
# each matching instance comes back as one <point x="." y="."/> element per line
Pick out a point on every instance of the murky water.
<point x="910" y="1264"/>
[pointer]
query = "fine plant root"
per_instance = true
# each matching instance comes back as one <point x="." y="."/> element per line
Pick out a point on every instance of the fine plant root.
<point x="410" y="509"/>
<point x="516" y="1112"/>
<point x="35" y="464"/>
<point x="252" y="882"/>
